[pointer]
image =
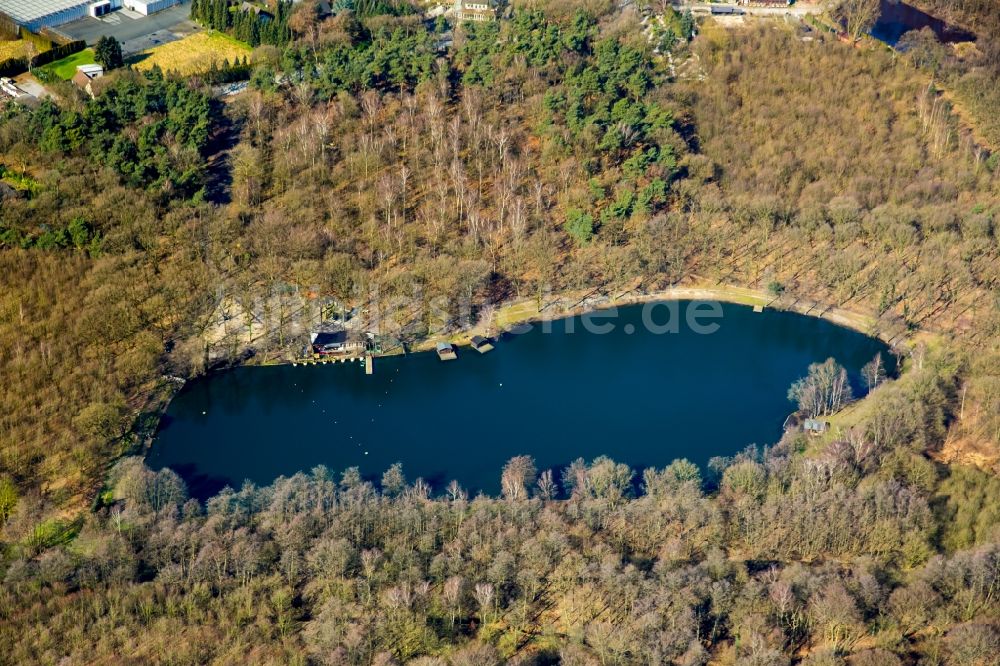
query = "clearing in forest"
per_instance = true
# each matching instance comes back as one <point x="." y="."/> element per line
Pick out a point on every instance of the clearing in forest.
<point x="194" y="54"/>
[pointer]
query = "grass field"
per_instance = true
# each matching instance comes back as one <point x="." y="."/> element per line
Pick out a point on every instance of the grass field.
<point x="14" y="49"/>
<point x="66" y="68"/>
<point x="193" y="54"/>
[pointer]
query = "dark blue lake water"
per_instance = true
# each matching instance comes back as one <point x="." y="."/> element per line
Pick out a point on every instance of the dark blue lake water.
<point x="898" y="18"/>
<point x="642" y="398"/>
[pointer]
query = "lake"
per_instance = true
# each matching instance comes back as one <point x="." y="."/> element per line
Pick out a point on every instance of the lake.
<point x="898" y="18"/>
<point x="641" y="397"/>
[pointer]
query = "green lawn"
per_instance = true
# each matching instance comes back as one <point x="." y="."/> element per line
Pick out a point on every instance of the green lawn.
<point x="66" y="68"/>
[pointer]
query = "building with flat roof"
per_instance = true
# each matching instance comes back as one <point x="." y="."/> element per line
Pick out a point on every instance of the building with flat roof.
<point x="147" y="7"/>
<point x="100" y="8"/>
<point x="37" y="14"/>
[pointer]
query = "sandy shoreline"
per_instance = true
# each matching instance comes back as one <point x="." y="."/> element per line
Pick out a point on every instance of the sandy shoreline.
<point x="572" y="304"/>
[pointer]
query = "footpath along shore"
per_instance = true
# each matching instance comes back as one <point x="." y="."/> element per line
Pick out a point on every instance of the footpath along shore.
<point x="572" y="304"/>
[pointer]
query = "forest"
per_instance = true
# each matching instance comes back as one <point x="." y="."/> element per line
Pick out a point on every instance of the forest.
<point x="553" y="150"/>
<point x="247" y="25"/>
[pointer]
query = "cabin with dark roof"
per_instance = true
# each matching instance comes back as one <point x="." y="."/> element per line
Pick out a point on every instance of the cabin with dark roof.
<point x="331" y="342"/>
<point x="446" y="351"/>
<point x="481" y="344"/>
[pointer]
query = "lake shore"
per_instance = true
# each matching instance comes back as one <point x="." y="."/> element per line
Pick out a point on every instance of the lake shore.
<point x="576" y="303"/>
<point x="514" y="313"/>
<point x="637" y="387"/>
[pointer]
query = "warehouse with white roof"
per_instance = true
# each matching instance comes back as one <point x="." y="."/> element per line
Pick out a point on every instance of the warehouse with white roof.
<point x="147" y="7"/>
<point x="37" y="14"/>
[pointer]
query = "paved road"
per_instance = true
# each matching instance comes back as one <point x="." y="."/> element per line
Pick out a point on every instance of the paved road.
<point x="136" y="32"/>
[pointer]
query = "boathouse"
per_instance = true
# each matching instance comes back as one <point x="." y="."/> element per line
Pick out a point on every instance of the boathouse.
<point x="329" y="342"/>
<point x="481" y="344"/>
<point x="446" y="351"/>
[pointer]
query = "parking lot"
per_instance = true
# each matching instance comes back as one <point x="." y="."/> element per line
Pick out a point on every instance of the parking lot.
<point x="134" y="31"/>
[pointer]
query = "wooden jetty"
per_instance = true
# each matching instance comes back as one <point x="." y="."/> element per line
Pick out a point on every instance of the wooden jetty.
<point x="369" y="365"/>
<point x="481" y="344"/>
<point x="446" y="351"/>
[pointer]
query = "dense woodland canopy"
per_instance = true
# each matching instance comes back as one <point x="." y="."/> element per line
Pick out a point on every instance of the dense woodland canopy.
<point x="246" y="24"/>
<point x="553" y="149"/>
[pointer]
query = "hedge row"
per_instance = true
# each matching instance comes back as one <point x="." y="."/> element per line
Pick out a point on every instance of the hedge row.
<point x="15" y="66"/>
<point x="58" y="53"/>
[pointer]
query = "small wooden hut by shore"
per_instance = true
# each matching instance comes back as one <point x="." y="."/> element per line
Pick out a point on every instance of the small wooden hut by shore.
<point x="446" y="351"/>
<point x="481" y="344"/>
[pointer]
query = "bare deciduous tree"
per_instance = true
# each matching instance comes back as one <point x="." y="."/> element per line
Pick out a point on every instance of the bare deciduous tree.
<point x="874" y="372"/>
<point x="825" y="390"/>
<point x="546" y="485"/>
<point x="518" y="475"/>
<point x="858" y="16"/>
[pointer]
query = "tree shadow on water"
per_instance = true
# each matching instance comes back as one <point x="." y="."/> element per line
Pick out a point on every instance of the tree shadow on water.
<point x="201" y="486"/>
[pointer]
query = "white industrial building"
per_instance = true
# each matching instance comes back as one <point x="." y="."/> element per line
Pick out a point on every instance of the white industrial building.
<point x="147" y="7"/>
<point x="37" y="14"/>
<point x="100" y="8"/>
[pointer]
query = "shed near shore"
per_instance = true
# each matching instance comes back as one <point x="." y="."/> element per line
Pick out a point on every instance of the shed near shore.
<point x="815" y="426"/>
<point x="446" y="351"/>
<point x="481" y="344"/>
<point x="329" y="342"/>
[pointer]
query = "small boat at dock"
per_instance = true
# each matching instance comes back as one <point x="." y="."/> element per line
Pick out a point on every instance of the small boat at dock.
<point x="446" y="351"/>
